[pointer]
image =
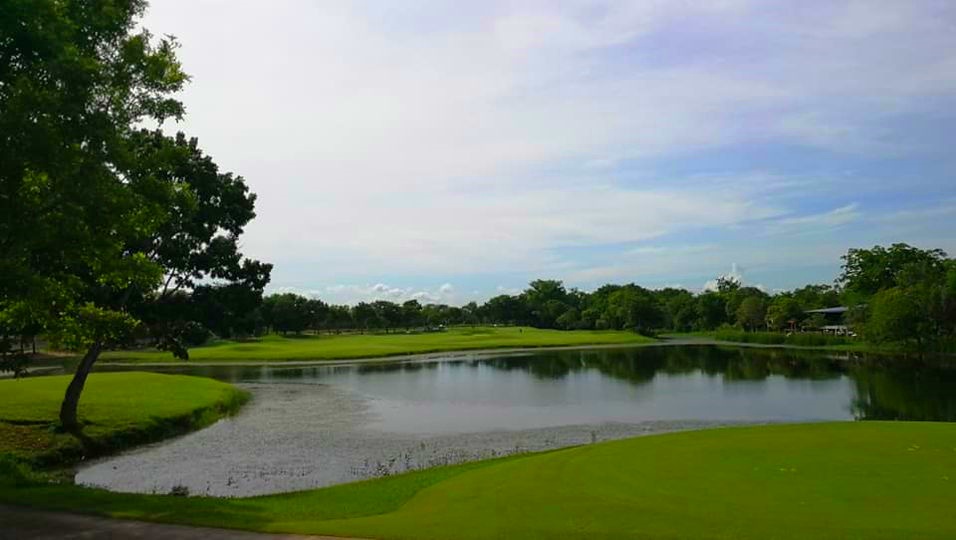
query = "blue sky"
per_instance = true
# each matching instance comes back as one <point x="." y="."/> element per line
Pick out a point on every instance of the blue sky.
<point x="449" y="151"/>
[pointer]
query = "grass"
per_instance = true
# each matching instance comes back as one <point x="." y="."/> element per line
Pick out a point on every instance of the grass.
<point x="118" y="410"/>
<point x="824" y="481"/>
<point x="812" y="340"/>
<point x="806" y="341"/>
<point x="330" y="347"/>
<point x="779" y="338"/>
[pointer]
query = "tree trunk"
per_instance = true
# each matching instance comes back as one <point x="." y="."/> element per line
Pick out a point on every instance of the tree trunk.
<point x="72" y="398"/>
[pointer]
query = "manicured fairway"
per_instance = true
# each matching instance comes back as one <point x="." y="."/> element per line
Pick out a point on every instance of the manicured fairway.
<point x="836" y="480"/>
<point x="118" y="409"/>
<point x="327" y="347"/>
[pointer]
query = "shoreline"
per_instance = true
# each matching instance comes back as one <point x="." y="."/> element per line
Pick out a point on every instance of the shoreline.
<point x="400" y="357"/>
<point x="455" y="354"/>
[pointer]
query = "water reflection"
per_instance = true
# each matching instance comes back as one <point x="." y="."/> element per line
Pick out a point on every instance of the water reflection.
<point x="669" y="382"/>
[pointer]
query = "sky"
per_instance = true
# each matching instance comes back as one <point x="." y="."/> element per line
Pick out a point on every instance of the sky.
<point x="452" y="151"/>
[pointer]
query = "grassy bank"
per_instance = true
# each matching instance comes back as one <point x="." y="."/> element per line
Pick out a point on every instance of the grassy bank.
<point x="733" y="336"/>
<point x="778" y="338"/>
<point x="331" y="347"/>
<point x="837" y="480"/>
<point x="118" y="410"/>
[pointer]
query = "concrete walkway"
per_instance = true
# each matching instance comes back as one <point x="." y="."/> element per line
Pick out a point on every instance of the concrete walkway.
<point x="18" y="523"/>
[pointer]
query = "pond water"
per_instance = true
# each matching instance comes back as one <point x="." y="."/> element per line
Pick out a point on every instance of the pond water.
<point x="321" y="425"/>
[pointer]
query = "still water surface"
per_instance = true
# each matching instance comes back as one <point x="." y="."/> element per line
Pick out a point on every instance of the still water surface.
<point x="321" y="425"/>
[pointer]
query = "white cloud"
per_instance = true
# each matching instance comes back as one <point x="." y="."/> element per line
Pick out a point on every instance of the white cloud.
<point x="351" y="293"/>
<point x="433" y="139"/>
<point x="735" y="274"/>
<point x="816" y="223"/>
<point x="910" y="216"/>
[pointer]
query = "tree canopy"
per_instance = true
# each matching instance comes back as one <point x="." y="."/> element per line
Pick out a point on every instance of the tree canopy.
<point x="101" y="220"/>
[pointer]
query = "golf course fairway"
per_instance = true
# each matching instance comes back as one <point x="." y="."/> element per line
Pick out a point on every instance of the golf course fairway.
<point x="890" y="480"/>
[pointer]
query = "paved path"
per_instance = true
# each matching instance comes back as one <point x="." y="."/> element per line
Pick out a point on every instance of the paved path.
<point x="18" y="523"/>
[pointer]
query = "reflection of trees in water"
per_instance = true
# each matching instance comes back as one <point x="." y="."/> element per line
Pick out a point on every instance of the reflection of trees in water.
<point x="643" y="364"/>
<point x="909" y="392"/>
<point x="393" y="367"/>
<point x="885" y="388"/>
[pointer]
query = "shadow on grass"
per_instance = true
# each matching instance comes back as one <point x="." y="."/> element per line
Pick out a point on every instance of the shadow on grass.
<point x="229" y="513"/>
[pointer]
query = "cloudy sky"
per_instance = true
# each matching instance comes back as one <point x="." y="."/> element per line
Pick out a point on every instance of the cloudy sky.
<point x="451" y="150"/>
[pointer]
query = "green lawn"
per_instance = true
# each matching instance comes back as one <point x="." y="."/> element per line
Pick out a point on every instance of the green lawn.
<point x="117" y="409"/>
<point x="835" y="480"/>
<point x="329" y="347"/>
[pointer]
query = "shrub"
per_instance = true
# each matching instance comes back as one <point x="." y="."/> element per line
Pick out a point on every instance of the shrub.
<point x="14" y="473"/>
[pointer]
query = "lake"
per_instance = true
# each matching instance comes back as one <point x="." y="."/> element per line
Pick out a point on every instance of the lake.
<point x="321" y="425"/>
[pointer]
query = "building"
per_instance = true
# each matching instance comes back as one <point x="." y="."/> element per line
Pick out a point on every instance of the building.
<point x="834" y="320"/>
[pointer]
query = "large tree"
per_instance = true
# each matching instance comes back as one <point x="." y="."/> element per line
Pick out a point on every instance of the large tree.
<point x="99" y="219"/>
<point x="868" y="271"/>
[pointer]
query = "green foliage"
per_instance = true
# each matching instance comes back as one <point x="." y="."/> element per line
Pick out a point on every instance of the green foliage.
<point x="546" y="300"/>
<point x="99" y="219"/>
<point x="751" y="312"/>
<point x="15" y="473"/>
<point x="784" y="311"/>
<point x="90" y="324"/>
<point x="904" y="295"/>
<point x="895" y="315"/>
<point x="868" y="271"/>
<point x="74" y="78"/>
<point x="634" y="308"/>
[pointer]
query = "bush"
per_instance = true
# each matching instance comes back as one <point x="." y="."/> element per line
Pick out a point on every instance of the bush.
<point x="14" y="473"/>
<point x="194" y="334"/>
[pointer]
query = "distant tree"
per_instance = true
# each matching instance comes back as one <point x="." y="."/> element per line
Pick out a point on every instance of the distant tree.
<point x="364" y="316"/>
<point x="317" y="314"/>
<point x="230" y="309"/>
<point x="681" y="310"/>
<point x="751" y="313"/>
<point x="816" y="296"/>
<point x="782" y="310"/>
<point x="735" y="297"/>
<point x="592" y="318"/>
<point x="506" y="309"/>
<point x="895" y="315"/>
<point x="727" y="285"/>
<point x="339" y="318"/>
<point x="546" y="300"/>
<point x="569" y="320"/>
<point x="470" y="314"/>
<point x="412" y="314"/>
<point x="814" y="322"/>
<point x="634" y="308"/>
<point x="712" y="310"/>
<point x="388" y="314"/>
<point x="287" y="312"/>
<point x="868" y="271"/>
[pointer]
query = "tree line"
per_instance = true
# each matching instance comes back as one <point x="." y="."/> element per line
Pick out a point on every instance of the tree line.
<point x="898" y="293"/>
<point x="112" y="234"/>
<point x="547" y="303"/>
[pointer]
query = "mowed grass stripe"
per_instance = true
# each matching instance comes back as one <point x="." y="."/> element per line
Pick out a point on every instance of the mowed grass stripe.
<point x="330" y="347"/>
